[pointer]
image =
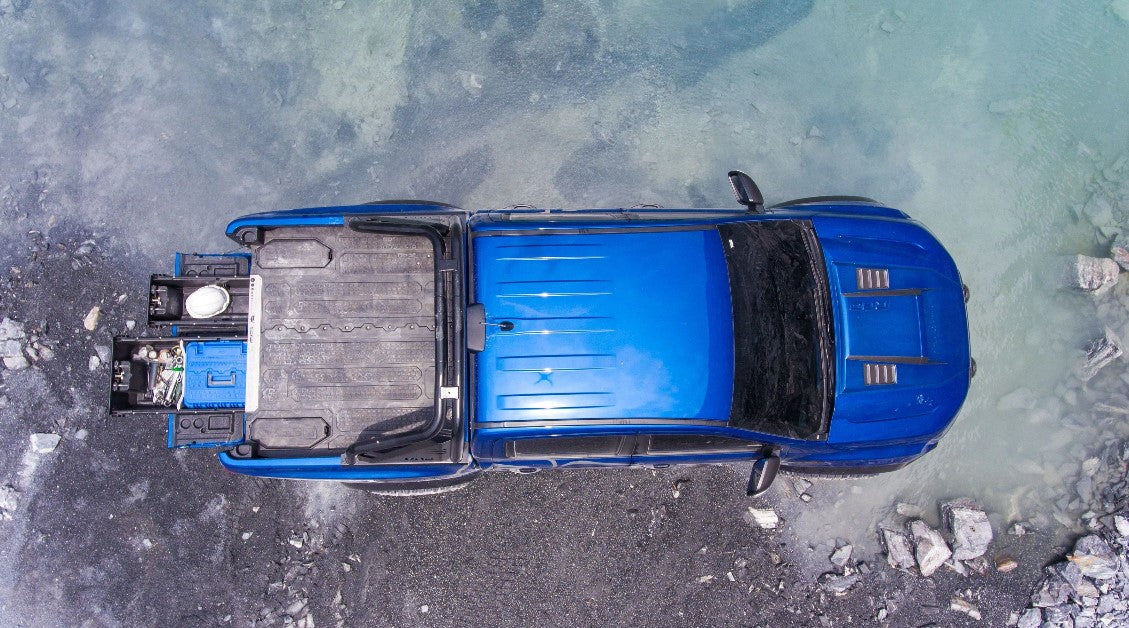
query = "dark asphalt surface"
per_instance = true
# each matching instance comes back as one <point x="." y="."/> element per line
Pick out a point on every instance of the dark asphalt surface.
<point x="130" y="131"/>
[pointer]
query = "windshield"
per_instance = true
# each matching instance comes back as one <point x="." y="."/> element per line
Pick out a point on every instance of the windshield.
<point x="781" y="328"/>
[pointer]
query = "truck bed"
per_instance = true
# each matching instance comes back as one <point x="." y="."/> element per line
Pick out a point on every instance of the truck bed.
<point x="345" y="343"/>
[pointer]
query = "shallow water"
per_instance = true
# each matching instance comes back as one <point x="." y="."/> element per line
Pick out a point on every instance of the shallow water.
<point x="155" y="125"/>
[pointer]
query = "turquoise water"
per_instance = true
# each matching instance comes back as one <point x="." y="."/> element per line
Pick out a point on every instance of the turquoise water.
<point x="989" y="122"/>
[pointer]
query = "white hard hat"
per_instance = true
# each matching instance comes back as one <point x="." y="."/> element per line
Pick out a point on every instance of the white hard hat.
<point x="209" y="301"/>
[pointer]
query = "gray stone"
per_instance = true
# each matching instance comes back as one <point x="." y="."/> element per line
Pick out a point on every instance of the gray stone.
<point x="962" y="605"/>
<point x="1094" y="558"/>
<point x="15" y="362"/>
<point x="1100" y="353"/>
<point x="1062" y="615"/>
<point x="841" y="556"/>
<point x="1121" y="524"/>
<point x="765" y="518"/>
<point x="899" y="549"/>
<point x="980" y="565"/>
<point x="44" y="443"/>
<point x="969" y="526"/>
<point x="930" y="548"/>
<point x="1052" y="591"/>
<point x="838" y="584"/>
<point x="9" y="501"/>
<point x="1031" y="618"/>
<point x="1091" y="274"/>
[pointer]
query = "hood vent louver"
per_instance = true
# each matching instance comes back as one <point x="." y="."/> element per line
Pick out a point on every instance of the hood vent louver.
<point x="872" y="278"/>
<point x="880" y="374"/>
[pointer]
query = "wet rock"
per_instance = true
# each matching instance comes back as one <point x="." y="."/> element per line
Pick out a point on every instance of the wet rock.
<point x="1091" y="274"/>
<point x="899" y="549"/>
<point x="1094" y="558"/>
<point x="764" y="518"/>
<point x="909" y="510"/>
<point x="962" y="605"/>
<point x="472" y="82"/>
<point x="1100" y="353"/>
<point x="930" y="548"/>
<point x="969" y="526"/>
<point x="841" y="556"/>
<point x="1120" y="254"/>
<point x="838" y="584"/>
<point x="1019" y="529"/>
<point x="44" y="443"/>
<point x="1018" y="399"/>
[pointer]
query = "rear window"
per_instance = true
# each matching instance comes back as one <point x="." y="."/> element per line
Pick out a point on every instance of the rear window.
<point x="781" y="328"/>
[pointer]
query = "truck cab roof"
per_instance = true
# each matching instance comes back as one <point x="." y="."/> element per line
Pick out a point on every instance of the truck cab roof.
<point x="621" y="325"/>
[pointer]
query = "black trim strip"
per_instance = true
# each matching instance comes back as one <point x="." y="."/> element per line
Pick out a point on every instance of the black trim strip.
<point x="892" y="359"/>
<point x="907" y="292"/>
<point x="592" y="230"/>
<point x="583" y="422"/>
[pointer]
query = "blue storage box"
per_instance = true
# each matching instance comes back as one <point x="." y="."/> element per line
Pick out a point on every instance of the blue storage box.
<point x="215" y="374"/>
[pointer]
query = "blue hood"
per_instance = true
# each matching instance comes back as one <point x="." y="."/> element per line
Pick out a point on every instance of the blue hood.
<point x="605" y="326"/>
<point x="901" y="331"/>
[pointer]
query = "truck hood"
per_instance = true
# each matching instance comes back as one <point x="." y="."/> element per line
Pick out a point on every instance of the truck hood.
<point x="901" y="330"/>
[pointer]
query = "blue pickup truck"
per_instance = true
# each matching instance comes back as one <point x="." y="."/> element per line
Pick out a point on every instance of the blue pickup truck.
<point x="407" y="346"/>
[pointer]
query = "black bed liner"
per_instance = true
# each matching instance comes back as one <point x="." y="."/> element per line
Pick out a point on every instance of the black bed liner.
<point x="350" y="336"/>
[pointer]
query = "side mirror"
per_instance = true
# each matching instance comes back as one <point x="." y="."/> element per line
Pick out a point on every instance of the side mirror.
<point x="764" y="472"/>
<point x="746" y="191"/>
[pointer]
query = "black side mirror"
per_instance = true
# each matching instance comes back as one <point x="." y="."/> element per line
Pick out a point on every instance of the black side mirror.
<point x="764" y="472"/>
<point x="746" y="191"/>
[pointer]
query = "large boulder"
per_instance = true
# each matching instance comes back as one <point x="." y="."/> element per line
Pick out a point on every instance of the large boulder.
<point x="1100" y="353"/>
<point x="1091" y="274"/>
<point x="969" y="527"/>
<point x="929" y="547"/>
<point x="1095" y="558"/>
<point x="899" y="549"/>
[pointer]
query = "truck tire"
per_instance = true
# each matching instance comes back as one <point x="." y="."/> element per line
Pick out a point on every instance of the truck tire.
<point x="412" y="488"/>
